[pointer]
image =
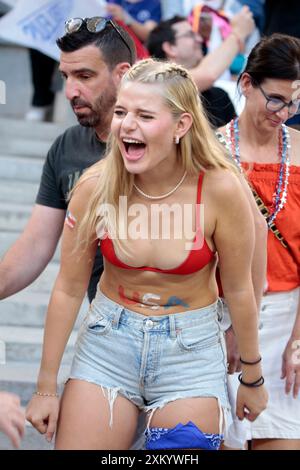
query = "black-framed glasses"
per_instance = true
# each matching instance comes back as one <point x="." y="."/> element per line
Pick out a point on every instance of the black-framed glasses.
<point x="95" y="24"/>
<point x="277" y="104"/>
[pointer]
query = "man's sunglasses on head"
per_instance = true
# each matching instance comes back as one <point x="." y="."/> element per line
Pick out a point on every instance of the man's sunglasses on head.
<point x="96" y="24"/>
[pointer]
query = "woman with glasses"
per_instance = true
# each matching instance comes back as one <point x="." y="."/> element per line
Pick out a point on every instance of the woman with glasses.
<point x="151" y="340"/>
<point x="268" y="153"/>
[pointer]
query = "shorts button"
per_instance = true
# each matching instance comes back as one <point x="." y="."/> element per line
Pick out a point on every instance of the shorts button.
<point x="149" y="324"/>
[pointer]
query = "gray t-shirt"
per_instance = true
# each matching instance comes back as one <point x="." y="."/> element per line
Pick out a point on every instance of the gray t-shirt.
<point x="72" y="152"/>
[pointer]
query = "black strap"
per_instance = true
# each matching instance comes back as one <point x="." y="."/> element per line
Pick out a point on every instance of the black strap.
<point x="265" y="212"/>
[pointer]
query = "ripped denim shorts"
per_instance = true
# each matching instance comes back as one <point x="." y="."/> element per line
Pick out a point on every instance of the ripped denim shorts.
<point x="152" y="360"/>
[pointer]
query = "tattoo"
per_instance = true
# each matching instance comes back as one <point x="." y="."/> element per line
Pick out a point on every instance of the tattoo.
<point x="126" y="300"/>
<point x="174" y="301"/>
<point x="148" y="300"/>
<point x="70" y="219"/>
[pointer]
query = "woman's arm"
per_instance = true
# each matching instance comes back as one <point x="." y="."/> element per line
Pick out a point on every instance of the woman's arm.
<point x="291" y="359"/>
<point x="234" y="237"/>
<point x="259" y="260"/>
<point x="67" y="295"/>
<point x="216" y="62"/>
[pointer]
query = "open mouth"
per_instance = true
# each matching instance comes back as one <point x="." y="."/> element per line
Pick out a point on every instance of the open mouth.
<point x="135" y="149"/>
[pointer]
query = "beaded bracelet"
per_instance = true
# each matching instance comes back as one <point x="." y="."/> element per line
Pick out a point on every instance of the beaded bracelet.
<point x="41" y="394"/>
<point x="250" y="363"/>
<point x="257" y="383"/>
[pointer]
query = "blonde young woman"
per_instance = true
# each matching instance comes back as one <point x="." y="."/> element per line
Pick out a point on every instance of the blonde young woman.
<point x="267" y="151"/>
<point x="151" y="340"/>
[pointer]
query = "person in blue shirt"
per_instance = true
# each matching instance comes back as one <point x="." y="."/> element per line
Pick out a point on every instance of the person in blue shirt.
<point x="141" y="15"/>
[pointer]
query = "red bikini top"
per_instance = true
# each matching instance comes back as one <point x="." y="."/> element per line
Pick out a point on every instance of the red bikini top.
<point x="198" y="257"/>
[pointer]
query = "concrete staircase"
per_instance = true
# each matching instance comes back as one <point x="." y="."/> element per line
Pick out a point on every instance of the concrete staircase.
<point x="23" y="147"/>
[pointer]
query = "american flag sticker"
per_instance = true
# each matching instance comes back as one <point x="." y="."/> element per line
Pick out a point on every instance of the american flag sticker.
<point x="70" y="219"/>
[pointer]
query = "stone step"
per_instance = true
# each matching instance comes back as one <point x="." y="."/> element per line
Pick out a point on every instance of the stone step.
<point x="29" y="308"/>
<point x="20" y="129"/>
<point x="32" y="440"/>
<point x="20" y="168"/>
<point x="9" y="237"/>
<point x="18" y="192"/>
<point x="25" y="148"/>
<point x="21" y="377"/>
<point x="24" y="309"/>
<point x="25" y="344"/>
<point x="13" y="217"/>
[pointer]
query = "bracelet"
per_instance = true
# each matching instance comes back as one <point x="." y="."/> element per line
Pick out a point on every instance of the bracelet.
<point x="257" y="383"/>
<point x="250" y="363"/>
<point x="239" y="41"/>
<point x="41" y="394"/>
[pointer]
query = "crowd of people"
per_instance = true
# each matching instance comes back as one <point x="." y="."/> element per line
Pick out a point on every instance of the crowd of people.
<point x="198" y="330"/>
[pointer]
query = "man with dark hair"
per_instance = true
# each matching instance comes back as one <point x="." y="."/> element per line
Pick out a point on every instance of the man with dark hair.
<point x="174" y="40"/>
<point x="95" y="54"/>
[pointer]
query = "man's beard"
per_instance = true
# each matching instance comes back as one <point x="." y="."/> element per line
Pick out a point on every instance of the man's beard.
<point x="97" y="116"/>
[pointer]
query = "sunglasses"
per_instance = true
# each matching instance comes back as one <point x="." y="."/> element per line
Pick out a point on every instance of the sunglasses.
<point x="96" y="24"/>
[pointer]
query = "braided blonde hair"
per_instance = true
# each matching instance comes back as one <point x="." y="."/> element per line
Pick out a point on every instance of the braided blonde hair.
<point x="199" y="149"/>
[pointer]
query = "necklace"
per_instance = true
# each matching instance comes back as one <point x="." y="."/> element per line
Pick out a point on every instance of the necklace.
<point x="163" y="195"/>
<point x="281" y="190"/>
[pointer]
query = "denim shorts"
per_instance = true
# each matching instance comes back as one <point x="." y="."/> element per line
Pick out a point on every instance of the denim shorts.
<point x="152" y="360"/>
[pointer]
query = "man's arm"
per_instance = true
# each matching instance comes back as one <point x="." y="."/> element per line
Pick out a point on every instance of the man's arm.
<point x="216" y="62"/>
<point x="31" y="253"/>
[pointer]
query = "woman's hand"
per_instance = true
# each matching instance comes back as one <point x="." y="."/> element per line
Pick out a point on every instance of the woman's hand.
<point x="42" y="413"/>
<point x="290" y="370"/>
<point x="251" y="401"/>
<point x="12" y="419"/>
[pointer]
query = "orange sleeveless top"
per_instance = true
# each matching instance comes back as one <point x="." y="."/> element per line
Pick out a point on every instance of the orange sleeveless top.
<point x="283" y="272"/>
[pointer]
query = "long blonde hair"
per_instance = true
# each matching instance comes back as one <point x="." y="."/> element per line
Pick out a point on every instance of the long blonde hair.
<point x="198" y="149"/>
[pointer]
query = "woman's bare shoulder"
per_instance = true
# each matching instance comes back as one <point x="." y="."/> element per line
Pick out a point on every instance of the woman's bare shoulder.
<point x="221" y="179"/>
<point x="89" y="179"/>
<point x="222" y="186"/>
<point x="295" y="145"/>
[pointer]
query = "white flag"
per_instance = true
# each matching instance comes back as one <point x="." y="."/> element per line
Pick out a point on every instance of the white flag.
<point x="38" y="23"/>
